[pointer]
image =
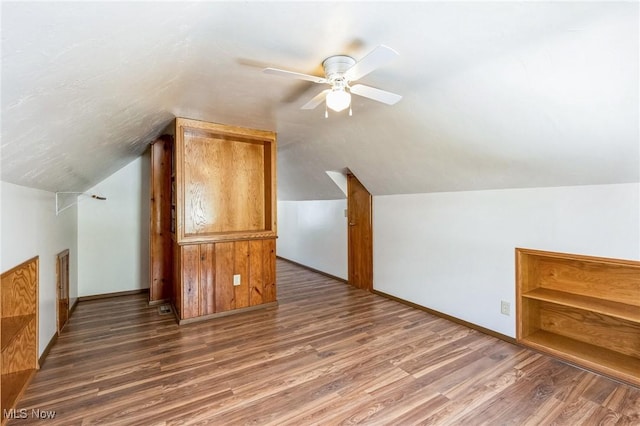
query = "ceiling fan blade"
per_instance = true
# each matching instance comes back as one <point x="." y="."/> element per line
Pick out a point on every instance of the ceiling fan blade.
<point x="292" y="74"/>
<point x="375" y="94"/>
<point x="317" y="100"/>
<point x="375" y="59"/>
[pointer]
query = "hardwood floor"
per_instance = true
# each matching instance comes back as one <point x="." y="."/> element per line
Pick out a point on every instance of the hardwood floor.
<point x="328" y="354"/>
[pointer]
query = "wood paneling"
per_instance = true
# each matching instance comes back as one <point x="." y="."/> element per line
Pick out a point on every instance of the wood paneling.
<point x="329" y="354"/>
<point x="256" y="272"/>
<point x="18" y="296"/>
<point x="241" y="267"/>
<point x="207" y="279"/>
<point x="225" y="293"/>
<point x="18" y="331"/>
<point x="190" y="281"/>
<point x="225" y="203"/>
<point x="583" y="309"/>
<point x="207" y="276"/>
<point x="161" y="245"/>
<point x="269" y="270"/>
<point x="360" y="234"/>
<point x="177" y="279"/>
<point x="236" y="201"/>
<point x="226" y="182"/>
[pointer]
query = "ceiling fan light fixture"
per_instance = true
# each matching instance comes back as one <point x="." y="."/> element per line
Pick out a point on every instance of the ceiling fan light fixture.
<point x="338" y="100"/>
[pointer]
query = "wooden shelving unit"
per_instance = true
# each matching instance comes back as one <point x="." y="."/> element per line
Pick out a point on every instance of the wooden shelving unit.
<point x="582" y="309"/>
<point x="18" y="331"/>
<point x="219" y="185"/>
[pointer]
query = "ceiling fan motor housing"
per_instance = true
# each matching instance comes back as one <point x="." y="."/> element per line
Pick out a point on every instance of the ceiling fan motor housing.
<point x="335" y="67"/>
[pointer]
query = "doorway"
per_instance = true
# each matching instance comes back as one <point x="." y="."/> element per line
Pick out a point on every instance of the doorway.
<point x="360" y="234"/>
<point x="62" y="282"/>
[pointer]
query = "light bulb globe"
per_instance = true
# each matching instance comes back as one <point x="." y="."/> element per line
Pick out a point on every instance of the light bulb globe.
<point x="338" y="100"/>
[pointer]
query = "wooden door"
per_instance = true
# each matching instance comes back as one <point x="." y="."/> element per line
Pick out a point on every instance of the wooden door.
<point x="62" y="272"/>
<point x="360" y="238"/>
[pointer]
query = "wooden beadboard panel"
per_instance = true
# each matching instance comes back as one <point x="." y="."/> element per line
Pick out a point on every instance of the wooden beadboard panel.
<point x="190" y="281"/>
<point x="241" y="267"/>
<point x="207" y="279"/>
<point x="177" y="278"/>
<point x="207" y="276"/>
<point x="225" y="294"/>
<point x="256" y="272"/>
<point x="269" y="265"/>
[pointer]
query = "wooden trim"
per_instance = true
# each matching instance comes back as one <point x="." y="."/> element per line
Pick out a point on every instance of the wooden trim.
<point x="224" y="313"/>
<point x="450" y="318"/>
<point x="46" y="351"/>
<point x="317" y="271"/>
<point x="581" y="257"/>
<point x="108" y="295"/>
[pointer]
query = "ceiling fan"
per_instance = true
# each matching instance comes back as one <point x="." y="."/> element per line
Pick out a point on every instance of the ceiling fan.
<point x="340" y="71"/>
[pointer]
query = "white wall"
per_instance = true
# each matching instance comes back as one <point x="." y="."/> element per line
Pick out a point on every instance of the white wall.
<point x="454" y="252"/>
<point x="30" y="227"/>
<point x="314" y="233"/>
<point x="113" y="235"/>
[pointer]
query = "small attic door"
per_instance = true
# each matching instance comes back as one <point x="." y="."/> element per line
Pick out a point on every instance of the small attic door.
<point x="360" y="234"/>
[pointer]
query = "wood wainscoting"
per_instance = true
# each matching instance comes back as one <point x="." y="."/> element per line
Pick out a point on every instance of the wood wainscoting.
<point x="328" y="354"/>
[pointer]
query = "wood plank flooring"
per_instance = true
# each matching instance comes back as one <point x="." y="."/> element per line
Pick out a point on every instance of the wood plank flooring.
<point x="328" y="354"/>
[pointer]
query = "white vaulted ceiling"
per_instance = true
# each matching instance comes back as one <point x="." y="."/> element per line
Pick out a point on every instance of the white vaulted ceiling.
<point x="496" y="94"/>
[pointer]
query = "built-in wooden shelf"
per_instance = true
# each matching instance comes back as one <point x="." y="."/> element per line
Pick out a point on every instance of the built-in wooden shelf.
<point x="606" y="307"/>
<point x="592" y="357"/>
<point x="12" y="326"/>
<point x="582" y="309"/>
<point x="18" y="332"/>
<point x="13" y="386"/>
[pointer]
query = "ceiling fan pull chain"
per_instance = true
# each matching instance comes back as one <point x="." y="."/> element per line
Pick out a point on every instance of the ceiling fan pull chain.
<point x="326" y="111"/>
<point x="350" y="111"/>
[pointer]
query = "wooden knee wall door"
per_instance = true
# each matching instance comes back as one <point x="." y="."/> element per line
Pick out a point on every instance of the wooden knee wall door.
<point x="360" y="234"/>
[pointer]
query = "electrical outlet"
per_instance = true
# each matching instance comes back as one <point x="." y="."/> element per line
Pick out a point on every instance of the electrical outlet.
<point x="505" y="308"/>
<point x="236" y="279"/>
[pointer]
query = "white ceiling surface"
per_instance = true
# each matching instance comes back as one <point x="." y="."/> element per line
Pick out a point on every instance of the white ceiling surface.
<point x="496" y="94"/>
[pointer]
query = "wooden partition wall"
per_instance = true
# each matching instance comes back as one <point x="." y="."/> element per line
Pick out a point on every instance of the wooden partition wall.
<point x="582" y="309"/>
<point x="223" y="217"/>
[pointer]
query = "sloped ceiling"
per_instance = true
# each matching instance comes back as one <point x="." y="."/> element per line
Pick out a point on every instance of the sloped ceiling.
<point x="496" y="94"/>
